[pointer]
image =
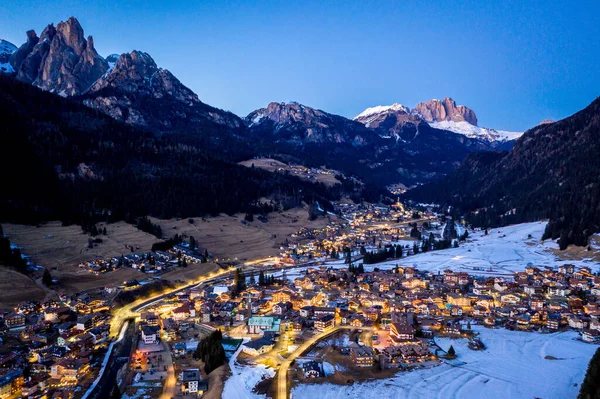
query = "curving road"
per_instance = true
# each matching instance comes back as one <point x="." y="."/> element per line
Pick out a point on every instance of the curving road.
<point x="282" y="381"/>
<point x="171" y="382"/>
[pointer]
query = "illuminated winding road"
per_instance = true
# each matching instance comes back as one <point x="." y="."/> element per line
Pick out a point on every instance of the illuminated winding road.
<point x="282" y="383"/>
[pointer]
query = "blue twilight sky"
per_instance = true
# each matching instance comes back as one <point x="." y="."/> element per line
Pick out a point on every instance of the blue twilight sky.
<point x="514" y="62"/>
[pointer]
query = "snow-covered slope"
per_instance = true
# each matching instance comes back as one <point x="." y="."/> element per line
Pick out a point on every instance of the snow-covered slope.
<point x="502" y="251"/>
<point x="513" y="365"/>
<point x="472" y="131"/>
<point x="6" y="49"/>
<point x="373" y="113"/>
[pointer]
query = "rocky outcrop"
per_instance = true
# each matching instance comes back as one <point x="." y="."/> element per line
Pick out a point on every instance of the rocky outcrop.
<point x="389" y="121"/>
<point x="393" y="120"/>
<point x="22" y="52"/>
<point x="446" y="110"/>
<point x="29" y="68"/>
<point x="137" y="72"/>
<point x="61" y="60"/>
<point x="72" y="64"/>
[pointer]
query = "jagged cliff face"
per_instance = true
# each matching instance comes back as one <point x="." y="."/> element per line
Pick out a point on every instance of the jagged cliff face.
<point x="61" y="60"/>
<point x="446" y="110"/>
<point x="22" y="52"/>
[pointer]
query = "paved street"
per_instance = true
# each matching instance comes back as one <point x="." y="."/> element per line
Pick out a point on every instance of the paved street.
<point x="282" y="383"/>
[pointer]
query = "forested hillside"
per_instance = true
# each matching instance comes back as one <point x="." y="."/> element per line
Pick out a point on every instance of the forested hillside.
<point x="63" y="160"/>
<point x="552" y="172"/>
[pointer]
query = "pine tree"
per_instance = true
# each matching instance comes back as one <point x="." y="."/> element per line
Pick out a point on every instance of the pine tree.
<point x="451" y="351"/>
<point x="590" y="388"/>
<point x="47" y="278"/>
<point x="333" y="254"/>
<point x="116" y="393"/>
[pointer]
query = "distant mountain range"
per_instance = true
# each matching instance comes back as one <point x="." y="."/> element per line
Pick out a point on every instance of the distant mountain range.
<point x="395" y="145"/>
<point x="444" y="115"/>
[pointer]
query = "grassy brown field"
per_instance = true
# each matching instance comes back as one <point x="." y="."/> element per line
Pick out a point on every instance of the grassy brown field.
<point x="228" y="237"/>
<point x="61" y="248"/>
<point x="273" y="165"/>
<point x="578" y="253"/>
<point x="55" y="246"/>
<point x="16" y="288"/>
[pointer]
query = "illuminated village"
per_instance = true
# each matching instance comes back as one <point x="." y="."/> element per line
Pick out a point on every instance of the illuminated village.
<point x="320" y="309"/>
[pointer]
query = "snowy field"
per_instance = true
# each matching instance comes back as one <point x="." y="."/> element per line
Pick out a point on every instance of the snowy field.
<point x="503" y="251"/>
<point x="243" y="379"/>
<point x="513" y="365"/>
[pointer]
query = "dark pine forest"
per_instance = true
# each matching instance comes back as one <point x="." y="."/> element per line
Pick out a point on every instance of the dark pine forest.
<point x="64" y="161"/>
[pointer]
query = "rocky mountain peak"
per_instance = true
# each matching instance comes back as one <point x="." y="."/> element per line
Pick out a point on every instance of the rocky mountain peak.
<point x="393" y="116"/>
<point x="281" y="113"/>
<point x="48" y="33"/>
<point x="61" y="61"/>
<point x="137" y="91"/>
<point x="71" y="35"/>
<point x="134" y="85"/>
<point x="22" y="52"/>
<point x="297" y="124"/>
<point x="445" y="110"/>
<point x="6" y="50"/>
<point x="137" y="72"/>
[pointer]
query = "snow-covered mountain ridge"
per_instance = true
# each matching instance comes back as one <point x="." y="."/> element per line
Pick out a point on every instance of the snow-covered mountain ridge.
<point x="444" y="115"/>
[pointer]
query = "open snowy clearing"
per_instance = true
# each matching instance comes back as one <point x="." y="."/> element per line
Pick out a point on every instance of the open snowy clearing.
<point x="513" y="365"/>
<point x="502" y="251"/>
<point x="244" y="379"/>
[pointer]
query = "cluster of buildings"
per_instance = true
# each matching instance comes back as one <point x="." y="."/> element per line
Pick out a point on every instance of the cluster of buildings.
<point x="405" y="306"/>
<point x="155" y="262"/>
<point x="52" y="349"/>
<point x="370" y="226"/>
